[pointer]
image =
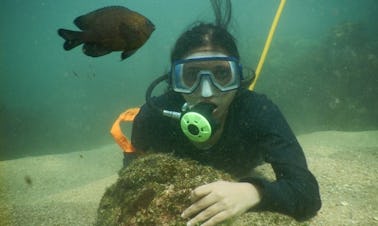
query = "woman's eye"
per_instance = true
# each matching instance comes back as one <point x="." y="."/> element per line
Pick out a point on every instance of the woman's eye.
<point x="222" y="73"/>
<point x="190" y="75"/>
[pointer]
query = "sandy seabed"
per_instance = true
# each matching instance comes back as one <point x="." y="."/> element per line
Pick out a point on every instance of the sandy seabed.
<point x="65" y="189"/>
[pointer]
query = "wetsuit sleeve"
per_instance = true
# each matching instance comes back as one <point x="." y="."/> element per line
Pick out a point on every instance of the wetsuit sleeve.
<point x="142" y="134"/>
<point x="295" y="191"/>
<point x="151" y="130"/>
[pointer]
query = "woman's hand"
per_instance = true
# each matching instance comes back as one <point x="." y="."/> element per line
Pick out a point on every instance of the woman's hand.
<point x="218" y="201"/>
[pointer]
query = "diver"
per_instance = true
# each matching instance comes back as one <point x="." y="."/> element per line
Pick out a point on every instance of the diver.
<point x="207" y="114"/>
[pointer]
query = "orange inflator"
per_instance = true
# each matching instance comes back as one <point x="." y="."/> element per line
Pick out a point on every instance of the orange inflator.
<point x="116" y="132"/>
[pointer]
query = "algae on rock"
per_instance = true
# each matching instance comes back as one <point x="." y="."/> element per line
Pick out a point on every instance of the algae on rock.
<point x="154" y="190"/>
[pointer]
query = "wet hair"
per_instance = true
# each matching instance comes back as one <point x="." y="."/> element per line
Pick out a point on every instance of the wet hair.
<point x="214" y="35"/>
<point x="205" y="34"/>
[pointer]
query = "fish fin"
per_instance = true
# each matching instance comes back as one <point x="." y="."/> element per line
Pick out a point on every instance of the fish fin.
<point x="95" y="50"/>
<point x="73" y="38"/>
<point x="86" y="21"/>
<point x="83" y="22"/>
<point x="126" y="54"/>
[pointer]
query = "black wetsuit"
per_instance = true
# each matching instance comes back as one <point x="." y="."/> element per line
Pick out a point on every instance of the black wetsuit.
<point x="255" y="131"/>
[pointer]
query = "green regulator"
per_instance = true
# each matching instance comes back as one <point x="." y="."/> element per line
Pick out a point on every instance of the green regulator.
<point x="196" y="122"/>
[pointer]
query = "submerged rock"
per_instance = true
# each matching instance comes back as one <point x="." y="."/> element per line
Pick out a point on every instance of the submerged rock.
<point x="154" y="190"/>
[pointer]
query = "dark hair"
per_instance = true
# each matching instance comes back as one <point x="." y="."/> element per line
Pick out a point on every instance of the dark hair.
<point x="206" y="34"/>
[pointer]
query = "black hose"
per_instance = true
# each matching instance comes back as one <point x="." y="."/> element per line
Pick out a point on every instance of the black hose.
<point x="149" y="90"/>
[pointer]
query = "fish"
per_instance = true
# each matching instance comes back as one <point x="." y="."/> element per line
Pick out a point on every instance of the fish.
<point x="109" y="29"/>
<point x="28" y="180"/>
<point x="75" y="74"/>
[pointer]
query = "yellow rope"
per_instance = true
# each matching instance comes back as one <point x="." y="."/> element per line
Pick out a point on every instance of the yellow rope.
<point x="267" y="43"/>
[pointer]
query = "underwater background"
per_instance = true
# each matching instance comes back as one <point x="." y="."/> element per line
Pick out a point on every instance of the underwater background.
<point x="321" y="69"/>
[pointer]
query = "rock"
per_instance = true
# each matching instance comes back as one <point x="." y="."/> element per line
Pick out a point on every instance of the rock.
<point x="154" y="190"/>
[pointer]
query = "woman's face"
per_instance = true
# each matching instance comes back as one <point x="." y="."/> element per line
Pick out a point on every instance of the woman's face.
<point x="207" y="92"/>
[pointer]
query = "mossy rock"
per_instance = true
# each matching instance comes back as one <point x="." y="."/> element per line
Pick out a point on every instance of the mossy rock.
<point x="154" y="190"/>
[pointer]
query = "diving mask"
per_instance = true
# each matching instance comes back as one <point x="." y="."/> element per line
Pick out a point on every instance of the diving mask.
<point x="224" y="72"/>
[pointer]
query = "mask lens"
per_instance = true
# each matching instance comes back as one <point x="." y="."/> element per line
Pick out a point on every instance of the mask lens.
<point x="190" y="75"/>
<point x="224" y="73"/>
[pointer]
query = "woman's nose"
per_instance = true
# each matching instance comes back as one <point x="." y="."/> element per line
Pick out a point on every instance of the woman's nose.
<point x="206" y="88"/>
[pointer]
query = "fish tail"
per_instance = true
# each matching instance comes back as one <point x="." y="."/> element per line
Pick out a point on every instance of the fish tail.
<point x="73" y="38"/>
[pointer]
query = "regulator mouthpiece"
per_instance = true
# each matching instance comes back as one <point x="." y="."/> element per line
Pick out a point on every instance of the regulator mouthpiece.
<point x="198" y="123"/>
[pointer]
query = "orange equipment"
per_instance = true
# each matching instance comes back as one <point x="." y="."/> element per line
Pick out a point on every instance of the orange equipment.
<point x="119" y="137"/>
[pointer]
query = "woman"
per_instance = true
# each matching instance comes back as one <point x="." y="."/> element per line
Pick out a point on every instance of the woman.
<point x="245" y="129"/>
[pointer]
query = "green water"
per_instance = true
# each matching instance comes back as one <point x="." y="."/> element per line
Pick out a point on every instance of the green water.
<point x="321" y="70"/>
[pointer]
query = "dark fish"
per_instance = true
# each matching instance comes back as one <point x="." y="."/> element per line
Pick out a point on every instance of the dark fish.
<point x="28" y="180"/>
<point x="113" y="28"/>
<point x="75" y="74"/>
